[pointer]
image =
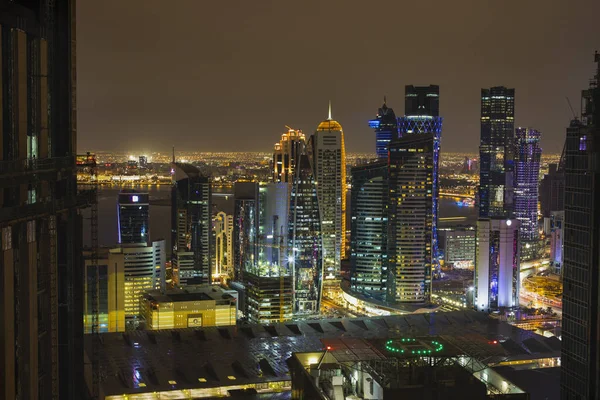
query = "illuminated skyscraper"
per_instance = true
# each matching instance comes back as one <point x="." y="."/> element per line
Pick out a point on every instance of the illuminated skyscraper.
<point x="245" y="228"/>
<point x="369" y="229"/>
<point x="223" y="228"/>
<point x="41" y="265"/>
<point x="411" y="218"/>
<point x="329" y="166"/>
<point x="305" y="241"/>
<point x="496" y="154"/>
<point x="497" y="278"/>
<point x="497" y="261"/>
<point x="422" y="106"/>
<point x="527" y="170"/>
<point x="286" y="153"/>
<point x="580" y="374"/>
<point x="133" y="209"/>
<point x="386" y="129"/>
<point x="191" y="225"/>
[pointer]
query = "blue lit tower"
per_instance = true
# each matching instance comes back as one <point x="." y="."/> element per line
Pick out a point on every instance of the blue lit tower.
<point x="422" y="116"/>
<point x="527" y="170"/>
<point x="386" y="129"/>
<point x="305" y="240"/>
<point x="133" y="210"/>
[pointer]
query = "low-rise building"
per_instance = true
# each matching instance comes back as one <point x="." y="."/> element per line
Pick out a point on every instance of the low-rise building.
<point x="189" y="307"/>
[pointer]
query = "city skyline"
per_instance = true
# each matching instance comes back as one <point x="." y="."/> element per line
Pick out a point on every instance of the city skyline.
<point x="241" y="75"/>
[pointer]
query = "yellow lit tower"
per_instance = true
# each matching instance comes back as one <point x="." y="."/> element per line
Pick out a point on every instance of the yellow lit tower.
<point x="329" y="166"/>
<point x="285" y="154"/>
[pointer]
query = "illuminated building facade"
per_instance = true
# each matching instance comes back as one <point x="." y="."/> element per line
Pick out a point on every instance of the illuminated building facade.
<point x="411" y="218"/>
<point x="133" y="216"/>
<point x="369" y="229"/>
<point x="305" y="241"/>
<point x="329" y="166"/>
<point x="386" y="129"/>
<point x="527" y="170"/>
<point x="422" y="117"/>
<point x="245" y="228"/>
<point x="41" y="265"/>
<point x="497" y="279"/>
<point x="497" y="261"/>
<point x="286" y="153"/>
<point x="580" y="357"/>
<point x="496" y="154"/>
<point x="111" y="290"/>
<point x="139" y="266"/>
<point x="192" y="307"/>
<point x="556" y="239"/>
<point x="191" y="224"/>
<point x="459" y="247"/>
<point x="223" y="228"/>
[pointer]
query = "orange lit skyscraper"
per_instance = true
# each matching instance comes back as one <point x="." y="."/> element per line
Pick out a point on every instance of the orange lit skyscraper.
<point x="329" y="165"/>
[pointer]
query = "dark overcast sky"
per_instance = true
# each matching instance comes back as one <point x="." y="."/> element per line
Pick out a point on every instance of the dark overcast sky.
<point x="228" y="75"/>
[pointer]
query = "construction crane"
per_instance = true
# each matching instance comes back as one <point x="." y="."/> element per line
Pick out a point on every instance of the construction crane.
<point x="86" y="165"/>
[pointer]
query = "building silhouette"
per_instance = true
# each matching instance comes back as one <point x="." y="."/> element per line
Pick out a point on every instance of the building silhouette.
<point x="41" y="267"/>
<point x="580" y="356"/>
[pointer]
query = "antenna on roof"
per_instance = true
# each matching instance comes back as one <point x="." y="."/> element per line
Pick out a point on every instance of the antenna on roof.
<point x="329" y="118"/>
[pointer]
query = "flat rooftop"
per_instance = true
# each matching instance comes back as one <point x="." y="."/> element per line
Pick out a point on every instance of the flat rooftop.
<point x="189" y="293"/>
<point x="211" y="357"/>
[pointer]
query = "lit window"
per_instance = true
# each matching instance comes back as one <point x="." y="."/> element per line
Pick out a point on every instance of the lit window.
<point x="231" y="377"/>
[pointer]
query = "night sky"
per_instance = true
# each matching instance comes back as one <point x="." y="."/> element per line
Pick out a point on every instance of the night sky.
<point x="228" y="75"/>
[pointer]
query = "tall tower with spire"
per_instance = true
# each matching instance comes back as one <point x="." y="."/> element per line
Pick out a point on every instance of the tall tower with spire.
<point x="329" y="166"/>
<point x="386" y="129"/>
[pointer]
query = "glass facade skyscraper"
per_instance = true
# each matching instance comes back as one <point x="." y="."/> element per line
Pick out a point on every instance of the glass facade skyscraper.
<point x="580" y="374"/>
<point x="245" y="228"/>
<point x="386" y="129"/>
<point x="527" y="171"/>
<point x="369" y="225"/>
<point x="191" y="225"/>
<point x="497" y="261"/>
<point x="305" y="240"/>
<point x="133" y="213"/>
<point x="496" y="163"/>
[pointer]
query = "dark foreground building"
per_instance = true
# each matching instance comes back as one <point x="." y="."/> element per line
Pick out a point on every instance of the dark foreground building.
<point x="467" y="348"/>
<point x="580" y="327"/>
<point x="41" y="284"/>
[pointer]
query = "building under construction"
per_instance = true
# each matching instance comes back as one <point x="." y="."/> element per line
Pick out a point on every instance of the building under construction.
<point x="41" y="285"/>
